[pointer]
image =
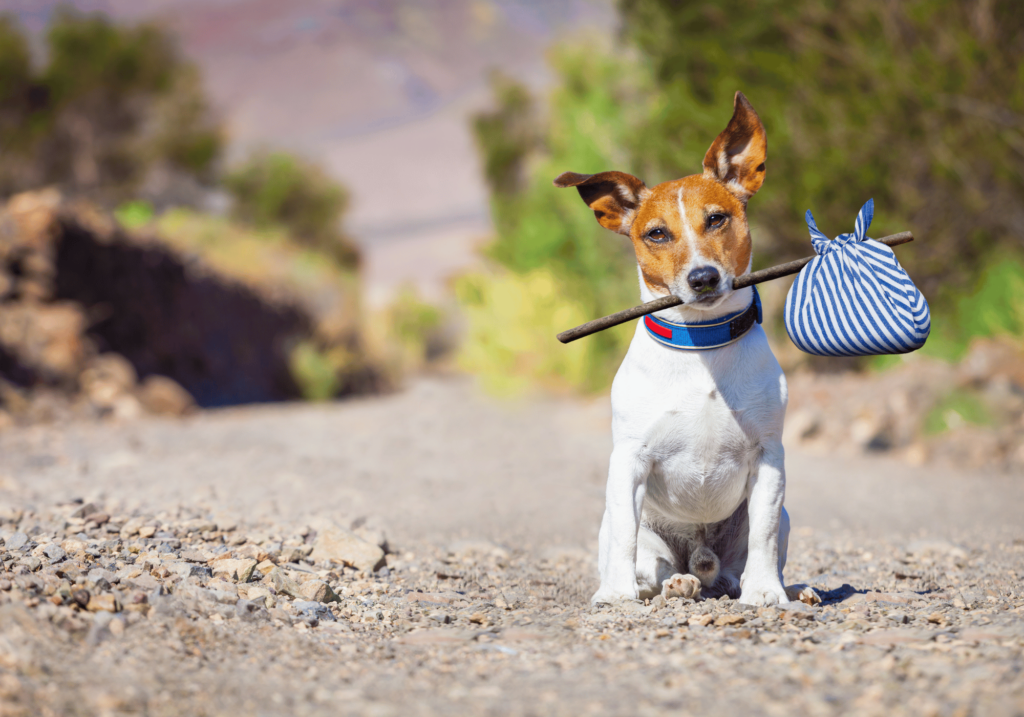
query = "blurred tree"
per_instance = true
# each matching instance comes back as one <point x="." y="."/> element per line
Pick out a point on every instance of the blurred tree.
<point x="110" y="104"/>
<point x="919" y="104"/>
<point x="506" y="135"/>
<point x="278" y="189"/>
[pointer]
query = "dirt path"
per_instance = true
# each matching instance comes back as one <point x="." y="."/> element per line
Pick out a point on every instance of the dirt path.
<point x="491" y="512"/>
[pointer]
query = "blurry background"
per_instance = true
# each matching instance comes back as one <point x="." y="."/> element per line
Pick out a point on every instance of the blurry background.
<point x="237" y="201"/>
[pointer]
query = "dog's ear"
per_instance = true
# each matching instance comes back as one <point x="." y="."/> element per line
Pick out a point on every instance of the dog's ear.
<point x="614" y="196"/>
<point x="736" y="157"/>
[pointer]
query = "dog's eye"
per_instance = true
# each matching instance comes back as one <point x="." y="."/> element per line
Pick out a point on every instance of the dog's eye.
<point x="658" y="236"/>
<point x="716" y="220"/>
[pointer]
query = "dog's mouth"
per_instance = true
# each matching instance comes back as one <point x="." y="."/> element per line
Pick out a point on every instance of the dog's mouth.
<point x="709" y="299"/>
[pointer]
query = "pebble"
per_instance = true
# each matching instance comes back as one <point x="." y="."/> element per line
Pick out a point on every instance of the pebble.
<point x="337" y="545"/>
<point x="106" y="602"/>
<point x="17" y="541"/>
<point x="319" y="591"/>
<point x="54" y="552"/>
<point x="237" y="569"/>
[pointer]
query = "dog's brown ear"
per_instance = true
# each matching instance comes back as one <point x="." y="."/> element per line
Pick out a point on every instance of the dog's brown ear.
<point x="614" y="196"/>
<point x="736" y="157"/>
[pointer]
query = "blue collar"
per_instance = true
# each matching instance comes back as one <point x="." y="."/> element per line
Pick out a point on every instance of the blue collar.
<point x="705" y="334"/>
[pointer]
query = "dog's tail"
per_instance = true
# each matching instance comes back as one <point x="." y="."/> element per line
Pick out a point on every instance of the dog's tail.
<point x="704" y="565"/>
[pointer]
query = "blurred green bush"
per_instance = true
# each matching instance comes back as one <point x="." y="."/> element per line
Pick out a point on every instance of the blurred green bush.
<point x="919" y="104"/>
<point x="109" y="105"/>
<point x="279" y="189"/>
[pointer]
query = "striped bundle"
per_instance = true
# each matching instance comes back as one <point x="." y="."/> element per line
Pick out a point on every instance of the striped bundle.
<point x="854" y="298"/>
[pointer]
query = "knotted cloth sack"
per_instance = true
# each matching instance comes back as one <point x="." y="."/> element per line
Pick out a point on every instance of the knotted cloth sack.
<point x="854" y="298"/>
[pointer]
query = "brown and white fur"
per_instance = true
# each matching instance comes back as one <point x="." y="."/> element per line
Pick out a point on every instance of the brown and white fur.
<point x="697" y="477"/>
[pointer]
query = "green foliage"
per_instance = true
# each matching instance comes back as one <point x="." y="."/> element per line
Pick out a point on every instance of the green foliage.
<point x="414" y="325"/>
<point x="110" y="104"/>
<point x="992" y="306"/>
<point x="314" y="372"/>
<point x="955" y="409"/>
<point x="134" y="214"/>
<point x="279" y="189"/>
<point x="918" y="104"/>
<point x="506" y="135"/>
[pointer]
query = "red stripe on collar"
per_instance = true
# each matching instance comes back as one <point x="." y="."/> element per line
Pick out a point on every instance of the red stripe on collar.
<point x="653" y="327"/>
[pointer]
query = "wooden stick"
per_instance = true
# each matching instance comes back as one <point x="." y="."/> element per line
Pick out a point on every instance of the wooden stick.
<point x="666" y="302"/>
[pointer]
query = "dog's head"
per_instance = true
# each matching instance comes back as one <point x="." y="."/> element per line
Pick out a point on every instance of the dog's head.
<point x="690" y="235"/>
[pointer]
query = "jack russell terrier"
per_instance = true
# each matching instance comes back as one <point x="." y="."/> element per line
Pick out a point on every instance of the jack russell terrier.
<point x="697" y="478"/>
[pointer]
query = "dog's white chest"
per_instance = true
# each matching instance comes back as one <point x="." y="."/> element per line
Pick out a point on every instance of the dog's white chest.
<point x="701" y="459"/>
<point x="700" y="422"/>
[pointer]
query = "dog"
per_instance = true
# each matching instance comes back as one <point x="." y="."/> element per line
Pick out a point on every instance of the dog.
<point x="696" y="479"/>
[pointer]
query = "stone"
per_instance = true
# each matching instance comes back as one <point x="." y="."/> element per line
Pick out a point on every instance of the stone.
<point x="260" y="594"/>
<point x="319" y="591"/>
<point x="265" y="566"/>
<point x="85" y="510"/>
<point x="106" y="602"/>
<point x="54" y="552"/>
<point x="236" y="569"/>
<point x="700" y="620"/>
<point x="17" y="541"/>
<point x="283" y="584"/>
<point x="729" y="620"/>
<point x="309" y="608"/>
<point x="98" y="574"/>
<point x="340" y="546"/>
<point x="164" y="396"/>
<point x="31" y="562"/>
<point x="73" y="546"/>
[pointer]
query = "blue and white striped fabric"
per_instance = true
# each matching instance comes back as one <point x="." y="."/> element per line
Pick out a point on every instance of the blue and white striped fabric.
<point x="854" y="298"/>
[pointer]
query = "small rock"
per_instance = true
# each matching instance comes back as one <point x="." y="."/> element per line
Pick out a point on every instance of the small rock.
<point x="147" y="531"/>
<point x="99" y="519"/>
<point x="98" y="574"/>
<point x="106" y="603"/>
<point x="164" y="396"/>
<point x="319" y="591"/>
<point x="73" y="546"/>
<point x="54" y="552"/>
<point x="81" y="597"/>
<point x="85" y="510"/>
<point x="937" y="618"/>
<point x="17" y="541"/>
<point x="251" y="609"/>
<point x="264" y="567"/>
<point x="283" y="584"/>
<point x="700" y="620"/>
<point x="261" y="595"/>
<point x="729" y="620"/>
<point x="337" y="545"/>
<point x="31" y="562"/>
<point x="899" y="618"/>
<point x="236" y="569"/>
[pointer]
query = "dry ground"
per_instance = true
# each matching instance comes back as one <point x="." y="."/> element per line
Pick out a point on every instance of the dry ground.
<point x="491" y="515"/>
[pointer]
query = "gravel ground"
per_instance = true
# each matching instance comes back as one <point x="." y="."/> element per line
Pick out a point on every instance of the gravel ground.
<point x="234" y="563"/>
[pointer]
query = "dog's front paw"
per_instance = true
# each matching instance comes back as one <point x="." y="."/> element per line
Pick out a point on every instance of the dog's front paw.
<point x="606" y="596"/>
<point x="762" y="594"/>
<point x="804" y="593"/>
<point x="684" y="586"/>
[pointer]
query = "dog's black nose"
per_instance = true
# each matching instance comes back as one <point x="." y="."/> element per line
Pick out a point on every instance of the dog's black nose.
<point x="704" y="279"/>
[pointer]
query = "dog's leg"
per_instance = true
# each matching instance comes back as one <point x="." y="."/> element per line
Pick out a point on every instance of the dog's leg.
<point x="762" y="575"/>
<point x="799" y="591"/>
<point x="617" y="541"/>
<point x="655" y="563"/>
